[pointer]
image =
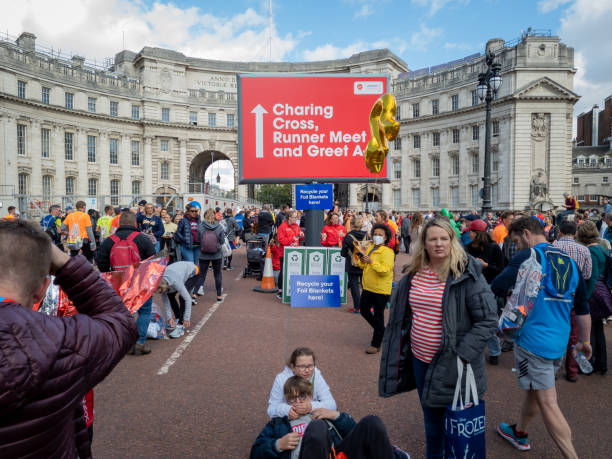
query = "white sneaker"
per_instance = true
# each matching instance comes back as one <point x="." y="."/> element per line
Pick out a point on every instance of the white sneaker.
<point x="201" y="291"/>
<point x="177" y="332"/>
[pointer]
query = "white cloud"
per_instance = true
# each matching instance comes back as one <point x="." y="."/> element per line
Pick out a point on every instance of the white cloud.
<point x="421" y="38"/>
<point x="96" y="29"/>
<point x="546" y="6"/>
<point x="585" y="27"/>
<point x="330" y="51"/>
<point x="365" y="11"/>
<point x="437" y="5"/>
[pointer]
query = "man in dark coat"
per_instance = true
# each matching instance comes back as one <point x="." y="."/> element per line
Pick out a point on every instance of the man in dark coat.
<point x="48" y="364"/>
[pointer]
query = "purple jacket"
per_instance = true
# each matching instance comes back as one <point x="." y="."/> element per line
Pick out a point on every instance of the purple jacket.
<point x="48" y="364"/>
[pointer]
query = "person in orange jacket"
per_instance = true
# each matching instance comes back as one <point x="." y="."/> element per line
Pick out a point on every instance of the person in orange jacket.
<point x="288" y="234"/>
<point x="333" y="232"/>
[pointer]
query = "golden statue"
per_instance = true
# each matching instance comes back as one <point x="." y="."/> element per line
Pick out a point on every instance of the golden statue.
<point x="384" y="128"/>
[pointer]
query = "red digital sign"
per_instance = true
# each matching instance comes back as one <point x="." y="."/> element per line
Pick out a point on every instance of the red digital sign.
<point x="305" y="128"/>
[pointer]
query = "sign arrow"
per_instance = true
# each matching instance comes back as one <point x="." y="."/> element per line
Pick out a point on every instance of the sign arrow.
<point x="259" y="113"/>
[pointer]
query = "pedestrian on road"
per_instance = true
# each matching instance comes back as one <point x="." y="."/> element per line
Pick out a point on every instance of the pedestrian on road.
<point x="333" y="232"/>
<point x="353" y="270"/>
<point x="377" y="280"/>
<point x="301" y="363"/>
<point x="151" y="225"/>
<point x="265" y="223"/>
<point x="211" y="237"/>
<point x="80" y="232"/>
<point x="50" y="363"/>
<point x="187" y="238"/>
<point x="416" y="226"/>
<point x="405" y="232"/>
<point x="52" y="225"/>
<point x="175" y="279"/>
<point x="232" y="229"/>
<point x="443" y="309"/>
<point x="289" y="234"/>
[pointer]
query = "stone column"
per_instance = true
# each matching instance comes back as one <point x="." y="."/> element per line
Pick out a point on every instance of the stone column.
<point x="9" y="154"/>
<point x="405" y="182"/>
<point x="183" y="179"/>
<point x="58" y="154"/>
<point x="125" y="160"/>
<point x="148" y="169"/>
<point x="35" y="151"/>
<point x="387" y="196"/>
<point x="80" y="153"/>
<point x="353" y="200"/>
<point x="103" y="158"/>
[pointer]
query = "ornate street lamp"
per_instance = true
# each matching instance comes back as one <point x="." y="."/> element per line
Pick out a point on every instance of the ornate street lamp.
<point x="488" y="84"/>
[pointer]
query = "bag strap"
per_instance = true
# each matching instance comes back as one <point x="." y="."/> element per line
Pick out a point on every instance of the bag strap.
<point x="132" y="236"/>
<point x="470" y="387"/>
<point x="457" y="397"/>
<point x="470" y="383"/>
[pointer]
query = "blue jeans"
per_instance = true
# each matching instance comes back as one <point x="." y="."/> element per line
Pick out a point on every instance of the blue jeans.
<point x="494" y="346"/>
<point x="433" y="417"/>
<point x="157" y="247"/>
<point x="144" y="317"/>
<point x="193" y="255"/>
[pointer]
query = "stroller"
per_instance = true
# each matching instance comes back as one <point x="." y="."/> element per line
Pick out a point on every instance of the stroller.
<point x="256" y="254"/>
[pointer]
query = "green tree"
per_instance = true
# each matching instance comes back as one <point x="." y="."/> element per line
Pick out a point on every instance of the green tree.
<point x="277" y="195"/>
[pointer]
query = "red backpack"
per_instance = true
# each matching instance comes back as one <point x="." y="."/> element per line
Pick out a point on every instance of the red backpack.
<point x="124" y="252"/>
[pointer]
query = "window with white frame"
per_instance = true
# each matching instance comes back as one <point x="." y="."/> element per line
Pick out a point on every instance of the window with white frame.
<point x="580" y="161"/>
<point x="164" y="145"/>
<point x="435" y="166"/>
<point x="397" y="172"/>
<point x="135" y="153"/>
<point x="68" y="146"/>
<point x="45" y="142"/>
<point x="494" y="161"/>
<point x="474" y="192"/>
<point x="398" y="113"/>
<point x="435" y="139"/>
<point x="456" y="135"/>
<point x="607" y="161"/>
<point x="576" y="180"/>
<point x="416" y="110"/>
<point x="604" y="179"/>
<point x="23" y="183"/>
<point x="495" y="128"/>
<point x="454" y="196"/>
<point x="113" y="150"/>
<point x="91" y="149"/>
<point x="416" y="168"/>
<point x="396" y="198"/>
<point x="114" y="191"/>
<point x="435" y="107"/>
<point x="454" y="163"/>
<point x="47" y="186"/>
<point x="136" y="188"/>
<point x="91" y="104"/>
<point x="21" y="89"/>
<point x="494" y="193"/>
<point x="166" y="115"/>
<point x="163" y="174"/>
<point x="114" y="108"/>
<point x="416" y="141"/>
<point x="231" y="120"/>
<point x="193" y="117"/>
<point x="212" y="119"/>
<point x="135" y="112"/>
<point x="475" y="132"/>
<point x="416" y="198"/>
<point x="92" y="187"/>
<point x="69" y="186"/>
<point x="475" y="164"/>
<point x="46" y="95"/>
<point x="580" y="197"/>
<point x="397" y="143"/>
<point x="593" y="161"/>
<point x="435" y="197"/>
<point x="474" y="97"/>
<point x="455" y="102"/>
<point x="21" y="139"/>
<point x="68" y="100"/>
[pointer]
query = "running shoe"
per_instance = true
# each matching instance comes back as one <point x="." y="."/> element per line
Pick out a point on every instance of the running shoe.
<point x="177" y="332"/>
<point x="201" y="291"/>
<point x="400" y="453"/>
<point x="508" y="432"/>
<point x="354" y="311"/>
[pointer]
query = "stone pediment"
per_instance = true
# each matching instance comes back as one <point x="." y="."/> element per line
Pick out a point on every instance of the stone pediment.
<point x="547" y="89"/>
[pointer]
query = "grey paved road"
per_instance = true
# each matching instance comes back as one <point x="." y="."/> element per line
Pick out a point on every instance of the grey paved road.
<point x="212" y="401"/>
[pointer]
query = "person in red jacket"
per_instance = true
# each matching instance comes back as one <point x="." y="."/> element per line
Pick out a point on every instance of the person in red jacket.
<point x="48" y="364"/>
<point x="276" y="250"/>
<point x="288" y="234"/>
<point x="333" y="232"/>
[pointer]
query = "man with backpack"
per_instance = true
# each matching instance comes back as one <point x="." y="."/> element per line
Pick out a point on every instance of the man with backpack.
<point x="543" y="337"/>
<point x="52" y="224"/>
<point x="124" y="248"/>
<point x="80" y="232"/>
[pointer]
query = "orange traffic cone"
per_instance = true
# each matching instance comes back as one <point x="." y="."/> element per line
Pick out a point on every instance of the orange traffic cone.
<point x="267" y="280"/>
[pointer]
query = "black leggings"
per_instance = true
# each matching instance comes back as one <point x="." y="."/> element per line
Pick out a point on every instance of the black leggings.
<point x="354" y="285"/>
<point x="368" y="439"/>
<point x="216" y="264"/>
<point x="598" y="341"/>
<point x="86" y="250"/>
<point x="178" y="307"/>
<point x="378" y="301"/>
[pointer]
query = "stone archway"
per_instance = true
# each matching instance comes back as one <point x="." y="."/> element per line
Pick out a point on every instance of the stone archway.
<point x="373" y="195"/>
<point x="199" y="180"/>
<point x="164" y="196"/>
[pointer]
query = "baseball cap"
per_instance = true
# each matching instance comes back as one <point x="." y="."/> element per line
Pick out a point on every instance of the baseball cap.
<point x="142" y="202"/>
<point x="68" y="208"/>
<point x="478" y="225"/>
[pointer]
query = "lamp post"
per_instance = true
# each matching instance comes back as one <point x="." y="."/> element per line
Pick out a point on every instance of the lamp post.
<point x="488" y="84"/>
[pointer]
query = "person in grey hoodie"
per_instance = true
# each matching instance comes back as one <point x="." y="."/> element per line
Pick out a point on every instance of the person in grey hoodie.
<point x="210" y="248"/>
<point x="232" y="229"/>
<point x="174" y="281"/>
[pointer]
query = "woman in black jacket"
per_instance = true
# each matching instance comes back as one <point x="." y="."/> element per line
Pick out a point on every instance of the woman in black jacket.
<point x="354" y="272"/>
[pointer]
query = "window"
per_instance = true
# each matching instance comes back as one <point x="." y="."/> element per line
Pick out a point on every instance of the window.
<point x="114" y="191"/>
<point x="22" y="183"/>
<point x="435" y="167"/>
<point x="475" y="164"/>
<point x="21" y="89"/>
<point x="416" y="198"/>
<point x="495" y="125"/>
<point x="47" y="181"/>
<point x="454" y="196"/>
<point x="454" y="163"/>
<point x="494" y="194"/>
<point x="396" y="198"/>
<point x="69" y="186"/>
<point x="91" y="149"/>
<point x="435" y="197"/>
<point x="230" y="120"/>
<point x="193" y="117"/>
<point x="135" y="153"/>
<point x="416" y="168"/>
<point x="435" y="107"/>
<point x="397" y="143"/>
<point x="68" y="100"/>
<point x="68" y="146"/>
<point x="475" y="195"/>
<point x="593" y="162"/>
<point x="163" y="174"/>
<point x="163" y="145"/>
<point x="397" y="172"/>
<point x="455" y="102"/>
<point x="114" y="108"/>
<point x="212" y="119"/>
<point x="455" y="135"/>
<point x="607" y="161"/>
<point x="417" y="141"/>
<point x="21" y="139"/>
<point x="135" y="112"/>
<point x="415" y="110"/>
<point x="46" y="92"/>
<point x="136" y="188"/>
<point x="576" y="180"/>
<point x="580" y="197"/>
<point x="45" y="136"/>
<point x="494" y="161"/>
<point x="398" y="113"/>
<point x="604" y="179"/>
<point x="91" y="104"/>
<point x="113" y="147"/>
<point x="166" y="115"/>
<point x="92" y="187"/>
<point x="580" y="162"/>
<point x="475" y="132"/>
<point x="435" y="139"/>
<point x="474" y="98"/>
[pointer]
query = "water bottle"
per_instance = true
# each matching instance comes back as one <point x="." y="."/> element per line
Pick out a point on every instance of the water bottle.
<point x="584" y="365"/>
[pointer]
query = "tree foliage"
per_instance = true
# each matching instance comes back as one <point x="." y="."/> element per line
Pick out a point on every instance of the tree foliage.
<point x="277" y="195"/>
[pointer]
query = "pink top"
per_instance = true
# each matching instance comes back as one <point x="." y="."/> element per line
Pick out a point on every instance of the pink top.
<point x="425" y="300"/>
